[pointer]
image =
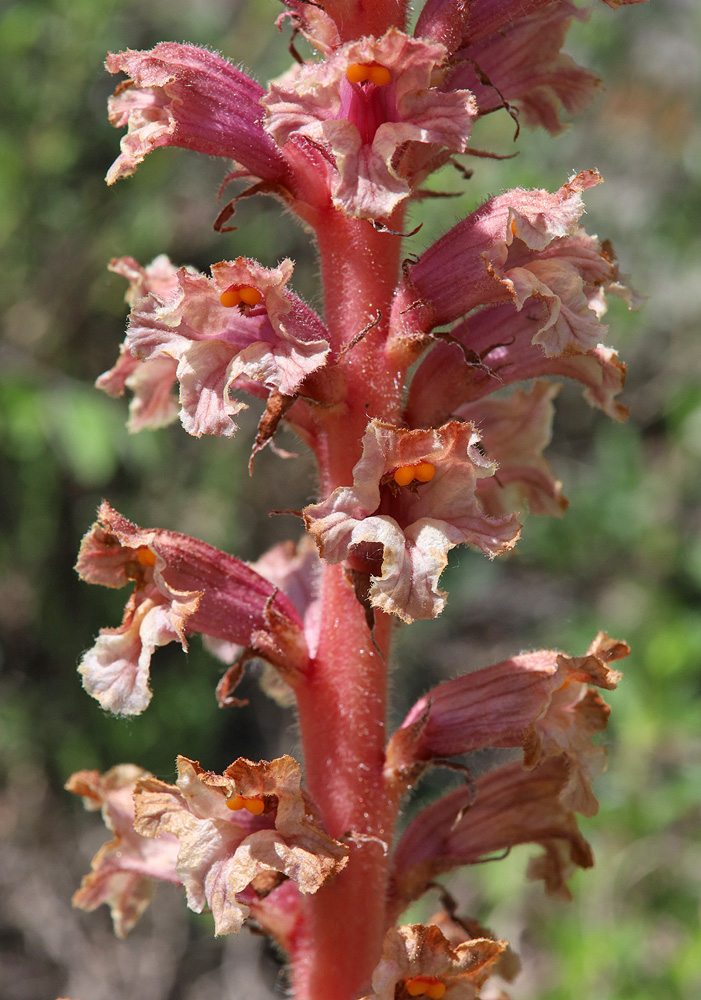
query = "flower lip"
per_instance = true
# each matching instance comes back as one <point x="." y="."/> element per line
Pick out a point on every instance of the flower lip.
<point x="401" y="532"/>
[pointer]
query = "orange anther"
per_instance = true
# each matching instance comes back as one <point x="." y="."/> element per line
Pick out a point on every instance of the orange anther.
<point x="379" y="75"/>
<point x="250" y="296"/>
<point x="404" y="475"/>
<point x="369" y="73"/>
<point x="429" y="986"/>
<point x="513" y="227"/>
<point x="435" y="991"/>
<point x="424" y="472"/>
<point x="240" y="295"/>
<point x="230" y="298"/>
<point x="145" y="556"/>
<point x="253" y="804"/>
<point x="357" y="73"/>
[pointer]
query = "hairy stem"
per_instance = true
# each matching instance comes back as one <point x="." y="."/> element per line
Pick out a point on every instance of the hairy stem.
<point x="342" y="718"/>
<point x="342" y="706"/>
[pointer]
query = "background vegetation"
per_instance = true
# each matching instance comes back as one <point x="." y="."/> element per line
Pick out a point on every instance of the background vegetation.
<point x="626" y="557"/>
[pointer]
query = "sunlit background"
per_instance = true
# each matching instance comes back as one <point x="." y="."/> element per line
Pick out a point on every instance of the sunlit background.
<point x="626" y="557"/>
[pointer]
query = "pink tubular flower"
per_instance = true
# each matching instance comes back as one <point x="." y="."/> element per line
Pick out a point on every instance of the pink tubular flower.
<point x="180" y="95"/>
<point x="540" y="701"/>
<point x="181" y="586"/>
<point x="214" y="339"/>
<point x="520" y="62"/>
<point x="508" y="54"/>
<point x="374" y="109"/>
<point x="412" y="500"/>
<point x="508" y="806"/>
<point x="494" y="348"/>
<point x="232" y="828"/>
<point x="125" y="870"/>
<point x="417" y="960"/>
<point x="521" y="246"/>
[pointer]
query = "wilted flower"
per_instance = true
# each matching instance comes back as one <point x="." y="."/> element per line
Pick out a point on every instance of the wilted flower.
<point x="234" y="827"/>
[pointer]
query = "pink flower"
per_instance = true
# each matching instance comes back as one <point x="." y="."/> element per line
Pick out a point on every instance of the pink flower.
<point x="234" y="828"/>
<point x="511" y="52"/>
<point x="508" y="54"/>
<point x="374" y="110"/>
<point x="181" y="95"/>
<point x="540" y="701"/>
<point x="125" y="871"/>
<point x="506" y="807"/>
<point x="522" y="247"/>
<point x="181" y="586"/>
<point x="417" y="960"/>
<point x="494" y="348"/>
<point x="214" y="341"/>
<point x="412" y="500"/>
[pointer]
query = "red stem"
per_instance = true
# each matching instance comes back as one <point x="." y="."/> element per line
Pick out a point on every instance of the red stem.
<point x="342" y="706"/>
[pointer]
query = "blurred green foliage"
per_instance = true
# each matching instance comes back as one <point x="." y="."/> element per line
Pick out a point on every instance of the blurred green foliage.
<point x="626" y="556"/>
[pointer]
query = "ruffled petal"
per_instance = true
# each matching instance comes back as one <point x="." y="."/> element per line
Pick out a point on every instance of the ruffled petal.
<point x="416" y="955"/>
<point x="514" y="431"/>
<point x="154" y="404"/>
<point x="125" y="870"/>
<point x="574" y="714"/>
<point x="116" y="670"/>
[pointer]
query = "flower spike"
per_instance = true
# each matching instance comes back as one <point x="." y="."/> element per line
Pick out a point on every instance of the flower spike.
<point x="408" y="396"/>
